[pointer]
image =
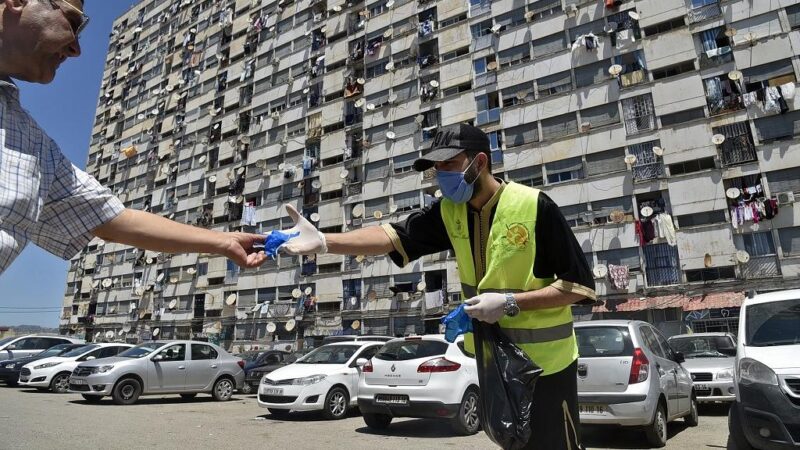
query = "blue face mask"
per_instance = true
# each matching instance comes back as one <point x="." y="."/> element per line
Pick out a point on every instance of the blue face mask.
<point x="454" y="185"/>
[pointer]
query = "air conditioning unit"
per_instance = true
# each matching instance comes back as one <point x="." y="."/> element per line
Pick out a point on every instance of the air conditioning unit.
<point x="403" y="296"/>
<point x="785" y="198"/>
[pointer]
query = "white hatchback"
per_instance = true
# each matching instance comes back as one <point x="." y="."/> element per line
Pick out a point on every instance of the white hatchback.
<point x="424" y="377"/>
<point x="53" y="373"/>
<point x="325" y="379"/>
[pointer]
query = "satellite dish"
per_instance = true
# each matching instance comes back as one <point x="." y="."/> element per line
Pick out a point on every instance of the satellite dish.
<point x="492" y="65"/>
<point x="160" y="277"/>
<point x="126" y="328"/>
<point x="658" y="151"/>
<point x="97" y="335"/>
<point x="240" y="171"/>
<point x="646" y="211"/>
<point x="191" y="271"/>
<point x="707" y="261"/>
<point x="139" y="291"/>
<point x="173" y="303"/>
<point x="421" y="286"/>
<point x="361" y="81"/>
<point x="370" y="107"/>
<point x="231" y="300"/>
<point x="392" y="98"/>
<point x="389" y="66"/>
<point x="434" y="84"/>
<point x="95" y="283"/>
<point x="314" y="217"/>
<point x="308" y="290"/>
<point x="202" y="159"/>
<point x="271" y="327"/>
<point x="344" y="174"/>
<point x="358" y="211"/>
<point x="149" y="260"/>
<point x="388" y="33"/>
<point x="731" y="32"/>
<point x="296" y="293"/>
<point x="718" y="139"/>
<point x="390" y="135"/>
<point x="281" y="166"/>
<point x="107" y="283"/>
<point x="600" y="271"/>
<point x="140" y="116"/>
<point x="360" y="258"/>
<point x="733" y="193"/>
<point x="633" y="15"/>
<point x="616" y="216"/>
<point x="290" y="325"/>
<point x="615" y="70"/>
<point x="438" y="193"/>
<point x="735" y="75"/>
<point x="390" y="3"/>
<point x="378" y="215"/>
<point x="261" y="163"/>
<point x="742" y="256"/>
<point x="120" y="333"/>
<point x="630" y="159"/>
<point x="521" y="95"/>
<point x="110" y="334"/>
<point x="156" y="331"/>
<point x="212" y="179"/>
<point x="112" y="310"/>
<point x="316" y="184"/>
<point x="356" y="324"/>
<point x="337" y="8"/>
<point x="173" y="279"/>
<point x="419" y="119"/>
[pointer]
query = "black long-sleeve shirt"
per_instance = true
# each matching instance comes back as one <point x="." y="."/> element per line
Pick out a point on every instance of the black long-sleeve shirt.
<point x="558" y="253"/>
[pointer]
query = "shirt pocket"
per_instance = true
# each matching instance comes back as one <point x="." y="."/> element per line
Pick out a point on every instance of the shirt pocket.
<point x="20" y="179"/>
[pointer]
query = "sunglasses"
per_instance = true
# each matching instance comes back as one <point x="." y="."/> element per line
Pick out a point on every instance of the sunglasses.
<point x="76" y="29"/>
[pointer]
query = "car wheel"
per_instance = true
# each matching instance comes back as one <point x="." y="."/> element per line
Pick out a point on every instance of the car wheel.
<point x="279" y="413"/>
<point x="127" y="391"/>
<point x="657" y="431"/>
<point x="60" y="383"/>
<point x="736" y="432"/>
<point x="246" y="389"/>
<point x="377" y="421"/>
<point x="223" y="390"/>
<point x="335" y="406"/>
<point x="92" y="398"/>
<point x="693" y="418"/>
<point x="188" y="396"/>
<point x="468" y="420"/>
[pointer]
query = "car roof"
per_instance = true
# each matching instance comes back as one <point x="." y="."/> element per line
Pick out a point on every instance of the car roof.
<point x="353" y="343"/>
<point x="777" y="296"/>
<point x="718" y="334"/>
<point x="607" y="323"/>
<point x="110" y="344"/>
<point x="427" y="337"/>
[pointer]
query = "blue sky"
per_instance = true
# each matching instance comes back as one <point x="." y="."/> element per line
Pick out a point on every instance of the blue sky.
<point x="65" y="109"/>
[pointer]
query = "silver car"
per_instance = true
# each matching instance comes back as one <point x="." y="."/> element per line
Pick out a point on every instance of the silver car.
<point x="628" y="375"/>
<point x="31" y="345"/>
<point x="710" y="358"/>
<point x="156" y="368"/>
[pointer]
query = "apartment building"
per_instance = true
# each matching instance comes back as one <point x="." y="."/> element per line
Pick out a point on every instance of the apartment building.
<point x="665" y="129"/>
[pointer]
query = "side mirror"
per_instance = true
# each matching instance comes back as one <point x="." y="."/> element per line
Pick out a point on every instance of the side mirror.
<point x="679" y="358"/>
<point x="12" y="347"/>
<point x="361" y="362"/>
<point x="729" y="351"/>
<point x="89" y="358"/>
<point x="158" y="357"/>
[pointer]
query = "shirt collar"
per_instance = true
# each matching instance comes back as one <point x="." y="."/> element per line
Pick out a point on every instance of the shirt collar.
<point x="495" y="198"/>
<point x="8" y="85"/>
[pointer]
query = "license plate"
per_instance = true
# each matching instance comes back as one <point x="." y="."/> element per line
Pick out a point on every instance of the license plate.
<point x="273" y="391"/>
<point x="593" y="409"/>
<point x="391" y="399"/>
<point x="702" y="387"/>
<point x="77" y="381"/>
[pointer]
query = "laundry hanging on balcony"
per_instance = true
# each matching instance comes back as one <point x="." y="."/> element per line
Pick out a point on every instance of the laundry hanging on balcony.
<point x="619" y="276"/>
<point x="771" y="99"/>
<point x="589" y="42"/>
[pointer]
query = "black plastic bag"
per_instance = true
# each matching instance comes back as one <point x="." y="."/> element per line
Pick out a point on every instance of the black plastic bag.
<point x="507" y="377"/>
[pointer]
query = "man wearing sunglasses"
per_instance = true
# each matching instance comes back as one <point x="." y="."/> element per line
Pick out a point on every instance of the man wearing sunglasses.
<point x="43" y="197"/>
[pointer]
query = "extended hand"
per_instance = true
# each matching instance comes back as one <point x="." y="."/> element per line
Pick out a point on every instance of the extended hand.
<point x="487" y="307"/>
<point x="309" y="240"/>
<point x="238" y="247"/>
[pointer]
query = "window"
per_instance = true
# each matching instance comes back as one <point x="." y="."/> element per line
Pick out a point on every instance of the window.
<point x="554" y="84"/>
<point x="515" y="55"/>
<point x="661" y="265"/>
<point x="377" y="204"/>
<point x="609" y="161"/>
<point x="602" y="209"/>
<point x="481" y="29"/>
<point x="591" y="74"/>
<point x="203" y="352"/>
<point x="712" y="274"/>
<point x="738" y="147"/>
<point x="595" y="27"/>
<point x="529" y="176"/>
<point x="574" y="214"/>
<point x="406" y="91"/>
<point x="405" y="127"/>
<point x="453" y="21"/>
<point x="771" y="74"/>
<point x="455" y="54"/>
<point x="793" y="12"/>
<point x="758" y="244"/>
<point x="377" y="170"/>
<point x="703" y="218"/>
<point x="650" y="341"/>
<point x="519" y="93"/>
<point x="559" y="126"/>
<point x="780" y="127"/>
<point x="407" y="201"/>
<point x="521" y="134"/>
<point x="786" y="180"/>
<point x="495" y="146"/>
<point x="173" y="353"/>
<point x="600" y="115"/>
<point x="549" y="44"/>
<point x="790" y="241"/>
<point x="695" y="165"/>
<point x="674" y="70"/>
<point x="664" y="27"/>
<point x="403" y="163"/>
<point x="511" y="19"/>
<point x="564" y="170"/>
<point x="621" y="257"/>
<point x="377" y="69"/>
<point x="639" y="114"/>
<point x="488" y="108"/>
<point x="648" y="165"/>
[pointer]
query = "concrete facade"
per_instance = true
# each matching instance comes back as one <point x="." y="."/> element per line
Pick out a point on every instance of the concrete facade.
<point x="207" y="106"/>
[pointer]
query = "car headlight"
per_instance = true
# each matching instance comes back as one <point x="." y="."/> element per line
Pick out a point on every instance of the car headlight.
<point x="10" y="366"/>
<point x="101" y="369"/>
<point x="305" y="381"/>
<point x="47" y="365"/>
<point x="725" y="374"/>
<point x="266" y="380"/>
<point x="752" y="371"/>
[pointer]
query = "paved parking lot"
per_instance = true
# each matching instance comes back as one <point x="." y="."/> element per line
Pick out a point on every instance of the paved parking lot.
<point x="33" y="420"/>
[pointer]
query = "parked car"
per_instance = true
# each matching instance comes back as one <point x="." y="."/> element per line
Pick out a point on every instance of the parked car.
<point x="52" y="374"/>
<point x="10" y="368"/>
<point x="709" y="360"/>
<point x="325" y="379"/>
<point x="161" y="367"/>
<point x="424" y="377"/>
<point x="263" y="364"/>
<point x="30" y="345"/>
<point x="628" y="375"/>
<point x="766" y="414"/>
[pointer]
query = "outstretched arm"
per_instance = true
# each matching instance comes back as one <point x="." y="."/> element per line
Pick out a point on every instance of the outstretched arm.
<point x="370" y="241"/>
<point x="152" y="232"/>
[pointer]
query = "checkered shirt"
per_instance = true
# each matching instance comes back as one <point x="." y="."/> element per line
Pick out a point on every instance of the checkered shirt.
<point x="43" y="197"/>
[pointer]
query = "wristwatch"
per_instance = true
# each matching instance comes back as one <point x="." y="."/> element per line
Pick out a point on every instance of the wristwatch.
<point x="511" y="308"/>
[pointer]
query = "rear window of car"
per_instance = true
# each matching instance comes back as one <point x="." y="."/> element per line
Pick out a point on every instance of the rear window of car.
<point x="594" y="342"/>
<point x="405" y="350"/>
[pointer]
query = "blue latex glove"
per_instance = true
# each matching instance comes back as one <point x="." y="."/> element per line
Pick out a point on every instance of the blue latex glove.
<point x="456" y="323"/>
<point x="274" y="241"/>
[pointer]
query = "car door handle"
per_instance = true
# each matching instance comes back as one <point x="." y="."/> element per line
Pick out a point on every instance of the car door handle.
<point x="181" y="367"/>
<point x="213" y="366"/>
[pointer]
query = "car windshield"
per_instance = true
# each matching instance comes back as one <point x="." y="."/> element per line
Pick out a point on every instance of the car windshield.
<point x="701" y="346"/>
<point x="141" y="351"/>
<point x="54" y="351"/>
<point x="330" y="354"/>
<point x="249" y="356"/>
<point x="773" y="323"/>
<point x="412" y="349"/>
<point x="75" y="352"/>
<point x="5" y="341"/>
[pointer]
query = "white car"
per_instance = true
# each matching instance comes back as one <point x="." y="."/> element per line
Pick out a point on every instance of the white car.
<point x="766" y="414"/>
<point x="53" y="373"/>
<point x="424" y="377"/>
<point x="31" y="345"/>
<point x="325" y="379"/>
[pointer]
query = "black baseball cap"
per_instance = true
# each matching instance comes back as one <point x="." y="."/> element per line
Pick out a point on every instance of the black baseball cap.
<point x="452" y="140"/>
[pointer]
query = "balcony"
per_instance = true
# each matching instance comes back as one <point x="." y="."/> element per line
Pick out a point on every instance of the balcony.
<point x="725" y="104"/>
<point x="648" y="171"/>
<point x="632" y="78"/>
<point x="482" y="42"/>
<point x="704" y="13"/>
<point x="482" y="7"/>
<point x="716" y="57"/>
<point x="761" y="267"/>
<point x="738" y="147"/>
<point x="488" y="116"/>
<point x="484" y="79"/>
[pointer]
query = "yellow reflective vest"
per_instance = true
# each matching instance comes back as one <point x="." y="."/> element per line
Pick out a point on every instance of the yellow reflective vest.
<point x="545" y="335"/>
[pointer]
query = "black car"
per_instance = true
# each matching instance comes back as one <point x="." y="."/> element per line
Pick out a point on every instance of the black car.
<point x="264" y="363"/>
<point x="9" y="369"/>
